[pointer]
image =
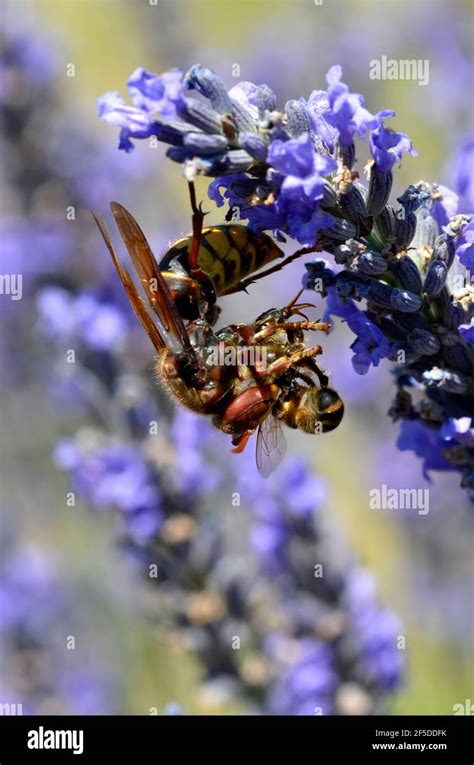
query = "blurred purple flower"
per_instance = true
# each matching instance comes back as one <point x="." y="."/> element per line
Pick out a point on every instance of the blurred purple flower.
<point x="307" y="685"/>
<point x="26" y="53"/>
<point x="98" y="323"/>
<point x="26" y="577"/>
<point x="190" y="435"/>
<point x="465" y="247"/>
<point x="444" y="206"/>
<point x="35" y="611"/>
<point x="115" y="476"/>
<point x="464" y="177"/>
<point x="375" y="631"/>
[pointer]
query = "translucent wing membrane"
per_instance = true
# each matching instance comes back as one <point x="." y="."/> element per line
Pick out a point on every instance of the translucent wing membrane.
<point x="133" y="295"/>
<point x="271" y="445"/>
<point x="151" y="278"/>
<point x="170" y="332"/>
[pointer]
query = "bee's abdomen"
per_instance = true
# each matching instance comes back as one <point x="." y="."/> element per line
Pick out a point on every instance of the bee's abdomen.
<point x="227" y="253"/>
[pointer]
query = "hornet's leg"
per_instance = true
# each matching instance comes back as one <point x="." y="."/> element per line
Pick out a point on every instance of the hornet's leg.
<point x="198" y="220"/>
<point x="242" y="285"/>
<point x="205" y="281"/>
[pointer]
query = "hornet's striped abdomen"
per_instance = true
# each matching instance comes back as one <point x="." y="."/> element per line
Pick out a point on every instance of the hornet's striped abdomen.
<point x="227" y="254"/>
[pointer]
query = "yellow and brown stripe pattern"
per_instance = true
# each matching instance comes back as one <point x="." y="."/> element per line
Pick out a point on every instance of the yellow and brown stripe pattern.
<point x="227" y="253"/>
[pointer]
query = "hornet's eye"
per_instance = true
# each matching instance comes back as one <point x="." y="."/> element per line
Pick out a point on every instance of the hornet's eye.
<point x="327" y="398"/>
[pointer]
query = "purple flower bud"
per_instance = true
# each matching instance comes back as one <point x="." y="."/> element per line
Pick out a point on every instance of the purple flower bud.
<point x="319" y="270"/>
<point x="319" y="114"/>
<point x="423" y="342"/>
<point x="203" y="143"/>
<point x="353" y="205"/>
<point x="389" y="297"/>
<point x="426" y="229"/>
<point x="435" y="278"/>
<point x="341" y="229"/>
<point x="351" y="288"/>
<point x="234" y="161"/>
<point x="210" y="85"/>
<point x="245" y="94"/>
<point x="408" y="322"/>
<point x="407" y="273"/>
<point x="452" y="310"/>
<point x="254" y="145"/>
<point x="172" y="131"/>
<point x="201" y="115"/>
<point x="458" y="357"/>
<point x="371" y="263"/>
<point x="297" y="117"/>
<point x="265" y="100"/>
<point x="242" y="117"/>
<point x="380" y="185"/>
<point x="347" y="152"/>
<point x="405" y="228"/>
<point x="456" y="225"/>
<point x="329" y="196"/>
<point x="346" y="252"/>
<point x="444" y="249"/>
<point x="406" y="301"/>
<point x="412" y="198"/>
<point x="168" y="134"/>
<point x="385" y="224"/>
<point x="184" y="153"/>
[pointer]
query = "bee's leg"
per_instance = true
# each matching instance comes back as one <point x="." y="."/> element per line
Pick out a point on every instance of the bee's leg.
<point x="283" y="364"/>
<point x="291" y="326"/>
<point x="323" y="378"/>
<point x="306" y="378"/>
<point x="244" y="283"/>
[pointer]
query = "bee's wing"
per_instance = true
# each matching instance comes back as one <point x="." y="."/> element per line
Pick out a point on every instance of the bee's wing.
<point x="271" y="445"/>
<point x="151" y="279"/>
<point x="136" y="301"/>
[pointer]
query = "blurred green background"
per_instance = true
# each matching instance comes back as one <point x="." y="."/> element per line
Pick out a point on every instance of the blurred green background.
<point x="289" y="44"/>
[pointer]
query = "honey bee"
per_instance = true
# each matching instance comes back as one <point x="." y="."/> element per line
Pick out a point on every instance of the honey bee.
<point x="274" y="377"/>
